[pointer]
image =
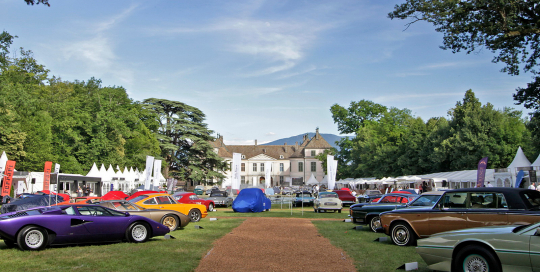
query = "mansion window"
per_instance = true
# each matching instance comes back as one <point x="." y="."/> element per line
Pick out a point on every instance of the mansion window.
<point x="281" y="167"/>
<point x="262" y="167"/>
<point x="243" y="167"/>
<point x="313" y="167"/>
<point x="312" y="153"/>
<point x="280" y="179"/>
<point x="243" y="180"/>
<point x="300" y="167"/>
<point x="254" y="167"/>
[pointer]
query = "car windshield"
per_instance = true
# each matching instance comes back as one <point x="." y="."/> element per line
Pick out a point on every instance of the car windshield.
<point x="334" y="195"/>
<point x="303" y="195"/>
<point x="218" y="194"/>
<point x="138" y="198"/>
<point x="425" y="200"/>
<point x="125" y="206"/>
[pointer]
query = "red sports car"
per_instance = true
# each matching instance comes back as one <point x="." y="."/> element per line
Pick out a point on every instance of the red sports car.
<point x="192" y="198"/>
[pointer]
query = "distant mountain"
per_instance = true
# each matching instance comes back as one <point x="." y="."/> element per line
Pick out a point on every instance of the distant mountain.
<point x="330" y="138"/>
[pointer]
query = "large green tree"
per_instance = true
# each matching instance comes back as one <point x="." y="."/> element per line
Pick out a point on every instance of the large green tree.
<point x="185" y="141"/>
<point x="508" y="28"/>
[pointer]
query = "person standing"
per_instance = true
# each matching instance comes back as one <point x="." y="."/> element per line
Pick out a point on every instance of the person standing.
<point x="532" y="186"/>
<point x="489" y="184"/>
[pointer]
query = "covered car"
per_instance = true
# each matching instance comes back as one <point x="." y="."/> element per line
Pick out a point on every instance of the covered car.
<point x="37" y="228"/>
<point x="30" y="202"/>
<point x="251" y="200"/>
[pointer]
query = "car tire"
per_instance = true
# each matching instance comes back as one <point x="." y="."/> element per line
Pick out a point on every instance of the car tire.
<point x="476" y="256"/>
<point x="138" y="232"/>
<point x="195" y="215"/>
<point x="402" y="234"/>
<point x="32" y="238"/>
<point x="374" y="223"/>
<point x="210" y="207"/>
<point x="171" y="221"/>
<point x="339" y="211"/>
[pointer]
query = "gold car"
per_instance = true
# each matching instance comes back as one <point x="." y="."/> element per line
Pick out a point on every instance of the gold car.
<point x="164" y="201"/>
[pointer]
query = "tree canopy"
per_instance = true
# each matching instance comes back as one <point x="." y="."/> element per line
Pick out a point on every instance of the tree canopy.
<point x="396" y="143"/>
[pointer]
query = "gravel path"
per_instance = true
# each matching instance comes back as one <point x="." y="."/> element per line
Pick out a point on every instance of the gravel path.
<point x="275" y="244"/>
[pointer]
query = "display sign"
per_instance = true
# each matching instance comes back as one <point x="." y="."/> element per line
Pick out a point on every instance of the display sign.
<point x="47" y="175"/>
<point x="8" y="177"/>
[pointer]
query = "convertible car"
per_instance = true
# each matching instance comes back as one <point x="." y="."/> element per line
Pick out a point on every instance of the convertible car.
<point x="164" y="201"/>
<point x="495" y="248"/>
<point x="327" y="201"/>
<point x="192" y="198"/>
<point x="35" y="229"/>
<point x="460" y="209"/>
<point x="171" y="219"/>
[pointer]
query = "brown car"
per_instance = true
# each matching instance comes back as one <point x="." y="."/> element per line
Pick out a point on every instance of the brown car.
<point x="169" y="218"/>
<point x="460" y="209"/>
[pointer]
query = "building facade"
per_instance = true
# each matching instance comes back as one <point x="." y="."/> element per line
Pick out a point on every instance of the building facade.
<point x="290" y="164"/>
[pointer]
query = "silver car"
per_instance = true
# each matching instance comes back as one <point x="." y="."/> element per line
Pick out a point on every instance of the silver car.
<point x="495" y="248"/>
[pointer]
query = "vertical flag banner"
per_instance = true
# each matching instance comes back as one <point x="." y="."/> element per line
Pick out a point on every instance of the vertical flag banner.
<point x="330" y="172"/>
<point x="237" y="159"/>
<point x="6" y="185"/>
<point x="267" y="174"/>
<point x="157" y="172"/>
<point x="519" y="178"/>
<point x="47" y="175"/>
<point x="481" y="173"/>
<point x="149" y="165"/>
<point x="3" y="160"/>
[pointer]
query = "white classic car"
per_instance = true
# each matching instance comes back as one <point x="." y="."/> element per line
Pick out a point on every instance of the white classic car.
<point x="327" y="201"/>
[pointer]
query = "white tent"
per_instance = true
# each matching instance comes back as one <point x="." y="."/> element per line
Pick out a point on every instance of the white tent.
<point x="520" y="160"/>
<point x="536" y="163"/>
<point x="312" y="180"/>
<point x="94" y="172"/>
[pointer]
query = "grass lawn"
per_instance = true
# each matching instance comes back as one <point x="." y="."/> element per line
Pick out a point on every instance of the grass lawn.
<point x="191" y="244"/>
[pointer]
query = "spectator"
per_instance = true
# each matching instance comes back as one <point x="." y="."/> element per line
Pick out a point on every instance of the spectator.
<point x="532" y="186"/>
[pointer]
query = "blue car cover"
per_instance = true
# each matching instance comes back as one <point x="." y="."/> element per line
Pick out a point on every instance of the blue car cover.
<point x="251" y="200"/>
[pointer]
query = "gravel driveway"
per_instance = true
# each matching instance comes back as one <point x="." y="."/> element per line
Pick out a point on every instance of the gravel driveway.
<point x="275" y="244"/>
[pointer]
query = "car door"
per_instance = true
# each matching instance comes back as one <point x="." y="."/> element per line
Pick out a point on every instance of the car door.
<point x="486" y="209"/>
<point x="534" y="253"/>
<point x="449" y="213"/>
<point x="70" y="228"/>
<point x="103" y="224"/>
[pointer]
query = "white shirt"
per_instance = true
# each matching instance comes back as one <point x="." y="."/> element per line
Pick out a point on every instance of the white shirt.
<point x="489" y="185"/>
<point x="532" y="187"/>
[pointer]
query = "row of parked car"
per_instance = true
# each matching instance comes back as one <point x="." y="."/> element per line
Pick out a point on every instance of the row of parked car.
<point x="474" y="229"/>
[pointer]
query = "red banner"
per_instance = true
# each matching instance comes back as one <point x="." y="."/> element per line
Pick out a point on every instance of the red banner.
<point x="8" y="176"/>
<point x="47" y="175"/>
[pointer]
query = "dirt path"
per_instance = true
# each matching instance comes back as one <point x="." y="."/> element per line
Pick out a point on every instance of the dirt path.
<point x="272" y="244"/>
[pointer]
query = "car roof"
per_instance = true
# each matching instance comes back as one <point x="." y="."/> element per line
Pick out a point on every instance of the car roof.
<point x="490" y="189"/>
<point x="434" y="193"/>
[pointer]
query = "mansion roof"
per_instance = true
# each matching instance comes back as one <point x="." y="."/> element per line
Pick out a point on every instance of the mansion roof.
<point x="274" y="151"/>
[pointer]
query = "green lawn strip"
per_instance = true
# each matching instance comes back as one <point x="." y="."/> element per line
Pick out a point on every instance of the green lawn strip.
<point x="367" y="254"/>
<point x="158" y="254"/>
<point x="277" y="211"/>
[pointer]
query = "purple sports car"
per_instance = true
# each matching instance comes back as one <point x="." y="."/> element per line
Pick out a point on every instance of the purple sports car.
<point x="35" y="229"/>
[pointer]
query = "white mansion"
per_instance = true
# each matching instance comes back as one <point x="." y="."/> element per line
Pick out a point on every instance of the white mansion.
<point x="291" y="164"/>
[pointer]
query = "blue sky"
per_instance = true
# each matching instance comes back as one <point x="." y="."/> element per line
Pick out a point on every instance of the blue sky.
<point x="258" y="69"/>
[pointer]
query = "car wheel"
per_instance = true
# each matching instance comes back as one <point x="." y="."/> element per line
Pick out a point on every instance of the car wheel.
<point x="339" y="211"/>
<point x="210" y="207"/>
<point x="195" y="215"/>
<point x="137" y="232"/>
<point x="476" y="258"/>
<point x="402" y="234"/>
<point x="32" y="238"/>
<point x="375" y="223"/>
<point x="171" y="221"/>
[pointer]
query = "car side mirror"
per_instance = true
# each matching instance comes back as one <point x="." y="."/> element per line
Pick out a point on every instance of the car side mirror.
<point x="127" y="214"/>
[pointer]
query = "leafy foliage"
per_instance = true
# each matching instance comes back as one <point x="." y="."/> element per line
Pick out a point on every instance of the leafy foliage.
<point x="396" y="143"/>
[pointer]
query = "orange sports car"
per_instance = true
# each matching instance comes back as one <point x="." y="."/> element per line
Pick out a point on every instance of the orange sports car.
<point x="165" y="201"/>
